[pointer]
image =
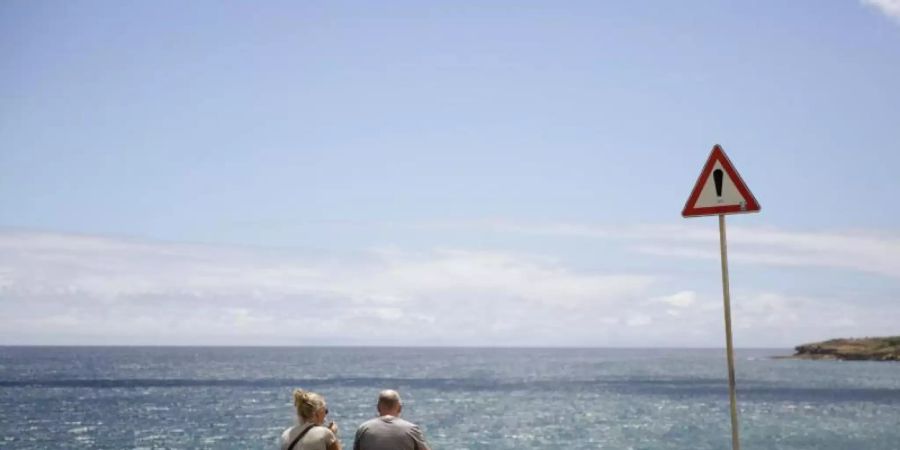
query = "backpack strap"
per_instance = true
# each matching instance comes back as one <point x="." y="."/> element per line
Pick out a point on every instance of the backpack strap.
<point x="299" y="436"/>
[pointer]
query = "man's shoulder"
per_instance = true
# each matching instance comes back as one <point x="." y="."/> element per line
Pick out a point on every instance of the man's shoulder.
<point x="390" y="421"/>
<point x="368" y="423"/>
<point x="404" y="423"/>
<point x="387" y="421"/>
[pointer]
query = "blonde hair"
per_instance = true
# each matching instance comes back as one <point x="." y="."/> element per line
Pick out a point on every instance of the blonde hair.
<point x="307" y="403"/>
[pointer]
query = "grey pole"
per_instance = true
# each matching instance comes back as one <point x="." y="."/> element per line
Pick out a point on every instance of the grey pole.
<point x="723" y="246"/>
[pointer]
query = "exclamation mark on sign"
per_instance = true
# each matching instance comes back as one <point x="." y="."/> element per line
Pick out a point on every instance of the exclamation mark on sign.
<point x="717" y="178"/>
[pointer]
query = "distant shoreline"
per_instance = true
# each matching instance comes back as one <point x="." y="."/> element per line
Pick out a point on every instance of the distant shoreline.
<point x="424" y="347"/>
<point x="850" y="349"/>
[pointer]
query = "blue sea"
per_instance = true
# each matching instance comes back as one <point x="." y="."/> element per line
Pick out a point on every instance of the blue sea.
<point x="463" y="398"/>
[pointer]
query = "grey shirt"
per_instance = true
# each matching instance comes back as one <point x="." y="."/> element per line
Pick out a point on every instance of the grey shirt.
<point x="389" y="433"/>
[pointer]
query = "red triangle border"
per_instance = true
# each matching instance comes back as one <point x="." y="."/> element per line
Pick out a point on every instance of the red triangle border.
<point x="717" y="154"/>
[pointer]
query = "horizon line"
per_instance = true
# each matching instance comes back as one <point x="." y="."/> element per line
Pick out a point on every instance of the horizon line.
<point x="326" y="346"/>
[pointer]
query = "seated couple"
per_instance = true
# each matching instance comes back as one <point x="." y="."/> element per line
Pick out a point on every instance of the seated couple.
<point x="386" y="432"/>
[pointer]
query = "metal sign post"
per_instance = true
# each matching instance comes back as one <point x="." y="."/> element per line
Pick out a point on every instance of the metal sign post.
<point x="720" y="191"/>
<point x="729" y="348"/>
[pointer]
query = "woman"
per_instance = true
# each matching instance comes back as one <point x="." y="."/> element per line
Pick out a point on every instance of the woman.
<point x="310" y="433"/>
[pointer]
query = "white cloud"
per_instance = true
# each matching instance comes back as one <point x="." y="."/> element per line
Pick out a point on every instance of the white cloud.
<point x="639" y="320"/>
<point x="681" y="299"/>
<point x="64" y="288"/>
<point x="90" y="287"/>
<point x="890" y="8"/>
<point x="761" y="319"/>
<point x="864" y="251"/>
<point x="770" y="318"/>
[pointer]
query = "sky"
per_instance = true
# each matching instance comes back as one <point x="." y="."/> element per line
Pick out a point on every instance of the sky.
<point x="444" y="173"/>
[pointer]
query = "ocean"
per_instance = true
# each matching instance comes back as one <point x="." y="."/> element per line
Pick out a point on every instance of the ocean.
<point x="463" y="398"/>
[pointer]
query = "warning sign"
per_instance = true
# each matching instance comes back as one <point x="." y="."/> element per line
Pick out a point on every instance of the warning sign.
<point x="719" y="190"/>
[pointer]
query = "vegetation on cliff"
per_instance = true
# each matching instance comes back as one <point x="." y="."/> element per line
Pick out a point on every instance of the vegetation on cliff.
<point x="863" y="349"/>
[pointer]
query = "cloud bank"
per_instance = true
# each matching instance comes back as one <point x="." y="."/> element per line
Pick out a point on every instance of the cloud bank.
<point x="60" y="288"/>
<point x="868" y="252"/>
<point x="89" y="288"/>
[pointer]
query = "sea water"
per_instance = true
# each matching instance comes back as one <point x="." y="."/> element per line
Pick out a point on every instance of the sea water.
<point x="463" y="398"/>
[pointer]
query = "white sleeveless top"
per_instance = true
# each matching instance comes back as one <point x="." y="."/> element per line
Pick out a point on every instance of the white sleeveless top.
<point x="318" y="438"/>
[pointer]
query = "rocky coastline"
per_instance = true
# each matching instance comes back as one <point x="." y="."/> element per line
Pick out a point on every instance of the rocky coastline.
<point x="861" y="349"/>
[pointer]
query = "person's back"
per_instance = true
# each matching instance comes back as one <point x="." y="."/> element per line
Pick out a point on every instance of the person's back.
<point x="389" y="432"/>
<point x="310" y="432"/>
<point x="317" y="438"/>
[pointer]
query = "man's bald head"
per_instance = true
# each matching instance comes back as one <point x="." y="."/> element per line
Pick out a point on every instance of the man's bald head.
<point x="389" y="403"/>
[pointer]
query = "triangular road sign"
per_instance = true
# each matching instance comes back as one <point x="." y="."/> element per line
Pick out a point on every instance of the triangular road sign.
<point x="719" y="190"/>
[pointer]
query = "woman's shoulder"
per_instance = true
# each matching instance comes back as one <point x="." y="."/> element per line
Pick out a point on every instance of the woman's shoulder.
<point x="288" y="433"/>
<point x="315" y="434"/>
<point x="321" y="434"/>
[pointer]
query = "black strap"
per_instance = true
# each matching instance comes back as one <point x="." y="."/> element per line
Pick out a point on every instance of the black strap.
<point x="299" y="436"/>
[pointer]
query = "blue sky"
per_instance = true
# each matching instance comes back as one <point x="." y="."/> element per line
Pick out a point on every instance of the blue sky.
<point x="503" y="173"/>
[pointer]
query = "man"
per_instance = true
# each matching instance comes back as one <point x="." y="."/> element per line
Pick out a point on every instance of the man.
<point x="389" y="431"/>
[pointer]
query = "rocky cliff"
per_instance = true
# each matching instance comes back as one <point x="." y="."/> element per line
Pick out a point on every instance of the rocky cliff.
<point x="864" y="349"/>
